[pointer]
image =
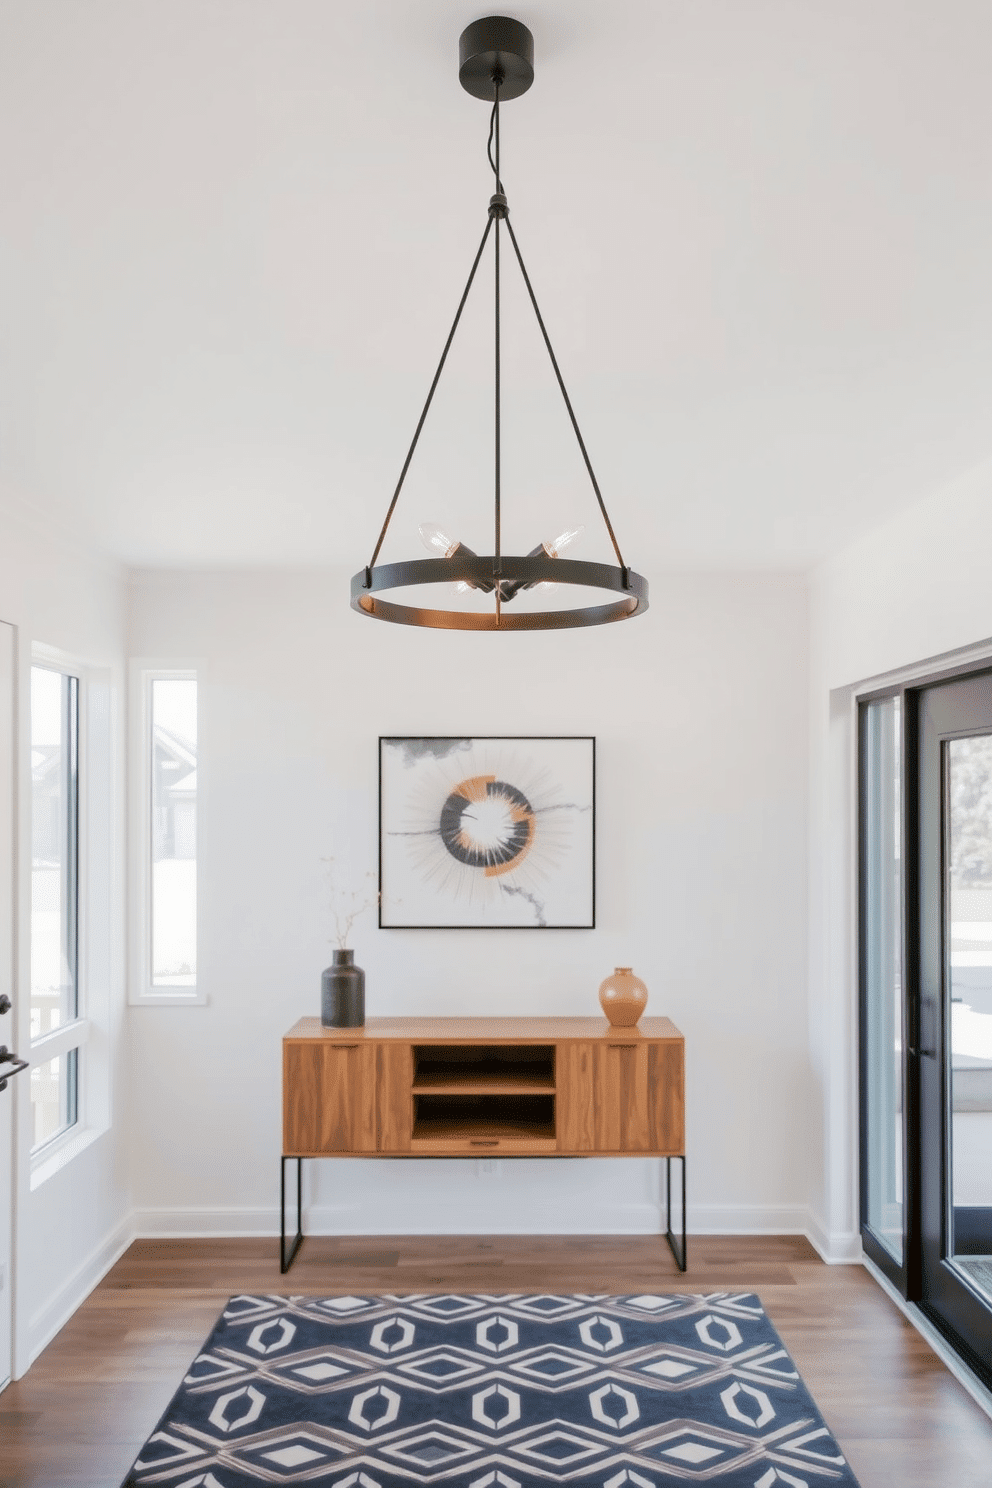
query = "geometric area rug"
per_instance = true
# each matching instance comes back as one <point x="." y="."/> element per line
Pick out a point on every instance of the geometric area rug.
<point x="484" y="1391"/>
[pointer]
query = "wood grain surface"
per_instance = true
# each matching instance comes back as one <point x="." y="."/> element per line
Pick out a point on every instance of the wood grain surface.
<point x="81" y="1414"/>
<point x="523" y="1086"/>
<point x="329" y="1098"/>
<point x="394" y="1101"/>
<point x="485" y="1030"/>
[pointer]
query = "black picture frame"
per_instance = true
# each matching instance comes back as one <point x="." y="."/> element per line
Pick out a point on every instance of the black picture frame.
<point x="487" y="832"/>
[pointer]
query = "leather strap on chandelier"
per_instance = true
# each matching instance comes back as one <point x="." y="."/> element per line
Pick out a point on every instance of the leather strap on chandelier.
<point x="497" y="62"/>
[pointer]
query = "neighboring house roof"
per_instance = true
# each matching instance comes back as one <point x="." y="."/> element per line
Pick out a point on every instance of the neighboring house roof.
<point x="45" y="761"/>
<point x="175" y="746"/>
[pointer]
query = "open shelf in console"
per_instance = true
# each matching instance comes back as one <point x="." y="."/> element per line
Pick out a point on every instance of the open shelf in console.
<point x="518" y="1069"/>
<point x="483" y="1120"/>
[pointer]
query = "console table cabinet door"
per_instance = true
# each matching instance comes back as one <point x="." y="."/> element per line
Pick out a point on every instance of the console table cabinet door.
<point x="639" y="1098"/>
<point x="394" y="1079"/>
<point x="621" y="1097"/>
<point x="329" y="1098"/>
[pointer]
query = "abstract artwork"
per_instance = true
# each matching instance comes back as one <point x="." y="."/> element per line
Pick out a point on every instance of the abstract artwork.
<point x="480" y="1391"/>
<point x="487" y="833"/>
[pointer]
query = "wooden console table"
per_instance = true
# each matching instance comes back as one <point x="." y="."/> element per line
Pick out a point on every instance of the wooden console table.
<point x="482" y="1087"/>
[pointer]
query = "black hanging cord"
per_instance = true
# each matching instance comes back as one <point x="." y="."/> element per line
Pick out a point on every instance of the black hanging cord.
<point x="430" y="397"/>
<point x="564" y="393"/>
<point x="494" y="130"/>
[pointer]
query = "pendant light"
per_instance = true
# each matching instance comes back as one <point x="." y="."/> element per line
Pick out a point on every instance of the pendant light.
<point x="497" y="64"/>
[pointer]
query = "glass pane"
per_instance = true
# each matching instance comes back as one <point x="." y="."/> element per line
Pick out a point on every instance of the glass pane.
<point x="54" y="1097"/>
<point x="882" y="1033"/>
<point x="173" y="831"/>
<point x="969" y="902"/>
<point x="54" y="750"/>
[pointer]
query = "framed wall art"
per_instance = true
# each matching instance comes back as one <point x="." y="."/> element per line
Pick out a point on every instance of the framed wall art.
<point x="487" y="833"/>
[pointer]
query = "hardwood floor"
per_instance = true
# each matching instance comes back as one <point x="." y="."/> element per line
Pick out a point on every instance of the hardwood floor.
<point x="81" y="1414"/>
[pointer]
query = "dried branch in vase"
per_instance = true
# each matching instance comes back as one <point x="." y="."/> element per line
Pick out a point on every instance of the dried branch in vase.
<point x="347" y="904"/>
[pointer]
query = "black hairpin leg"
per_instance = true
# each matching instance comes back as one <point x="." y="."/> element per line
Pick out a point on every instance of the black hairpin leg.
<point x="678" y="1250"/>
<point x="286" y="1260"/>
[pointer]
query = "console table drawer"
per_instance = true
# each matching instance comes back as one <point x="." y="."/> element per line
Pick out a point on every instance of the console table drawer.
<point x="466" y="1146"/>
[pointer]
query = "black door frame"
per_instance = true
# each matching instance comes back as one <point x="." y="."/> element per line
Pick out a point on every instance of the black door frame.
<point x="907" y="1277"/>
<point x="957" y="708"/>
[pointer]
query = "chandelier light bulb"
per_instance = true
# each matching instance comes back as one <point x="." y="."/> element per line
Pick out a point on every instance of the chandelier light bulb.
<point x="564" y="540"/>
<point x="436" y="540"/>
<point x="510" y="588"/>
<point x="555" y="549"/>
<point x="441" y="545"/>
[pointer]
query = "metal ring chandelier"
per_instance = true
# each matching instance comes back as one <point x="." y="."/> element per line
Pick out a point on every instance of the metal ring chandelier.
<point x="497" y="64"/>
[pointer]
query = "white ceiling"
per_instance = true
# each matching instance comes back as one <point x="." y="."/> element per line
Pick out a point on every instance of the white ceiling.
<point x="233" y="233"/>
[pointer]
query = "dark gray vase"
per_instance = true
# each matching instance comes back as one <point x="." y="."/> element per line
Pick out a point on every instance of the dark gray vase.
<point x="342" y="993"/>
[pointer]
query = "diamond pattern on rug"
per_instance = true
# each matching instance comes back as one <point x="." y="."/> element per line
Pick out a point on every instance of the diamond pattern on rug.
<point x="480" y="1391"/>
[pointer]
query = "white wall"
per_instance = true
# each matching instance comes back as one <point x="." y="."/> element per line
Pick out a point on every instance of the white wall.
<point x="72" y="1224"/>
<point x="700" y="714"/>
<point x="914" y="588"/>
<point x="913" y="591"/>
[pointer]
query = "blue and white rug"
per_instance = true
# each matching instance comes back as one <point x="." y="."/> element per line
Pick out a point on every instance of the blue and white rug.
<point x="493" y="1392"/>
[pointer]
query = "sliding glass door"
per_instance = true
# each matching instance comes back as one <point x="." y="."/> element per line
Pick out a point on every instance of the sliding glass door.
<point x="926" y="1000"/>
<point x="954" y="1038"/>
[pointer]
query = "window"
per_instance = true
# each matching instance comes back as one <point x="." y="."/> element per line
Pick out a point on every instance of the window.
<point x="165" y="837"/>
<point x="173" y="831"/>
<point x="56" y="1032"/>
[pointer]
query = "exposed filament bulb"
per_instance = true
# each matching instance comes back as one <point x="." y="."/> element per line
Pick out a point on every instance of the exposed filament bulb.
<point x="437" y="542"/>
<point x="557" y="546"/>
<point x="441" y="544"/>
<point x="564" y="540"/>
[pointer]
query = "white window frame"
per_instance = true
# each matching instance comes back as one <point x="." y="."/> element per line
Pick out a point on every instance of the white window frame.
<point x="95" y="888"/>
<point x="143" y="672"/>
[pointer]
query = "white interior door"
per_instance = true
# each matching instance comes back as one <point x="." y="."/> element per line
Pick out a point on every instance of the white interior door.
<point x="6" y="988"/>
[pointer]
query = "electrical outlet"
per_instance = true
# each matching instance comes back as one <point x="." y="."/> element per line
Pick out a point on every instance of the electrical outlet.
<point x="488" y="1167"/>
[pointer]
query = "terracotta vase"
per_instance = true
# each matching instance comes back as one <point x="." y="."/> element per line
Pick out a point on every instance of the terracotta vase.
<point x="623" y="997"/>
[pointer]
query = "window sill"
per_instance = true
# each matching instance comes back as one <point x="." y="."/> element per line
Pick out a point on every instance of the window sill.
<point x="181" y="997"/>
<point x="51" y="1160"/>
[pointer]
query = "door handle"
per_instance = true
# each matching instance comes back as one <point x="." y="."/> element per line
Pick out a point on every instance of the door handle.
<point x="6" y="1057"/>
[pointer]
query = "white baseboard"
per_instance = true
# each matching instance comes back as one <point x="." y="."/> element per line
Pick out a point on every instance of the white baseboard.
<point x="775" y="1219"/>
<point x="748" y="1219"/>
<point x="837" y="1248"/>
<point x="205" y="1224"/>
<point x="373" y="1219"/>
<point x="481" y="1217"/>
<point x="49" y="1319"/>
